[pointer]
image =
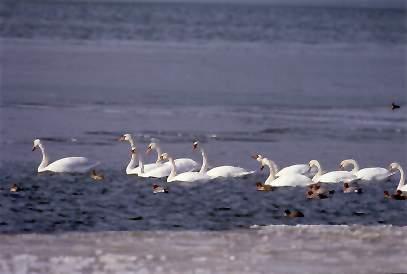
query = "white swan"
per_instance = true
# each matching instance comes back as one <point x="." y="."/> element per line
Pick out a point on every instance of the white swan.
<point x="370" y="174"/>
<point x="190" y="176"/>
<point x="220" y="171"/>
<point x="331" y="177"/>
<point x="303" y="169"/>
<point x="68" y="165"/>
<point x="183" y="164"/>
<point x="402" y="183"/>
<point x="292" y="179"/>
<point x="131" y="168"/>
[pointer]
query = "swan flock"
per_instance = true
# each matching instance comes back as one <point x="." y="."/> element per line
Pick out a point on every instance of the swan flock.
<point x="188" y="170"/>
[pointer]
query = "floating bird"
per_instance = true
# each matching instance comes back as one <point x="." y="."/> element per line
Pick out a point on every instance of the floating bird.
<point x="293" y="214"/>
<point x="97" y="177"/>
<point x="351" y="189"/>
<point x="394" y="106"/>
<point x="159" y="189"/>
<point x="396" y="196"/>
<point x="15" y="188"/>
<point x="263" y="187"/>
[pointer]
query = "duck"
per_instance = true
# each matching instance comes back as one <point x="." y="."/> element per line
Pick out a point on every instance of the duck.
<point x="190" y="176"/>
<point x="262" y="187"/>
<point x="347" y="188"/>
<point x="319" y="192"/>
<point x="370" y="174"/>
<point x="159" y="189"/>
<point x="15" y="188"/>
<point x="95" y="176"/>
<point x="183" y="164"/>
<point x="293" y="213"/>
<point x="396" y="196"/>
<point x="287" y="180"/>
<point x="394" y="106"/>
<point x="220" y="171"/>
<point x="331" y="177"/>
<point x="64" y="165"/>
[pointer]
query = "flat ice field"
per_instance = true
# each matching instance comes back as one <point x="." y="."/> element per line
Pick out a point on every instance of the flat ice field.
<point x="271" y="249"/>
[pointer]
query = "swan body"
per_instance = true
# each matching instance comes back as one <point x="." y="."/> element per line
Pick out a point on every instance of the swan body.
<point x="220" y="171"/>
<point x="296" y="169"/>
<point x="131" y="168"/>
<point x="189" y="176"/>
<point x="65" y="165"/>
<point x="370" y="174"/>
<point x="333" y="176"/>
<point x="164" y="169"/>
<point x="292" y="179"/>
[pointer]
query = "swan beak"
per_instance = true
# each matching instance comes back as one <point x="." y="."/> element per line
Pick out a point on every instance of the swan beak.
<point x="33" y="148"/>
<point x="148" y="150"/>
<point x="341" y="167"/>
<point x="261" y="167"/>
<point x="194" y="146"/>
<point x="121" y="139"/>
<point x="255" y="157"/>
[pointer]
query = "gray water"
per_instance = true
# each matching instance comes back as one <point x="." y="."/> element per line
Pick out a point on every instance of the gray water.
<point x="291" y="83"/>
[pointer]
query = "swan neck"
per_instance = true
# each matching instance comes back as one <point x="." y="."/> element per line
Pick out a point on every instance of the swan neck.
<point x="141" y="163"/>
<point x="158" y="149"/>
<point x="355" y="166"/>
<point x="204" y="167"/>
<point x="132" y="163"/>
<point x="402" y="177"/>
<point x="173" y="169"/>
<point x="318" y="166"/>
<point x="271" y="166"/>
<point x="131" y="141"/>
<point x="45" y="158"/>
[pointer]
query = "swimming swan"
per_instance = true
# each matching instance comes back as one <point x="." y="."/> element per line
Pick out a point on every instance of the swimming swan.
<point x="131" y="168"/>
<point x="303" y="169"/>
<point x="220" y="171"/>
<point x="68" y="165"/>
<point x="183" y="164"/>
<point x="370" y="174"/>
<point x="293" y="179"/>
<point x="333" y="176"/>
<point x="402" y="183"/>
<point x="189" y="176"/>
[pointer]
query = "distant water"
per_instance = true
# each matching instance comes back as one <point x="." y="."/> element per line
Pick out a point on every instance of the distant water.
<point x="98" y="20"/>
<point x="294" y="84"/>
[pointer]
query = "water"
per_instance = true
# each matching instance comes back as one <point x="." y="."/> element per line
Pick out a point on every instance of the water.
<point x="291" y="83"/>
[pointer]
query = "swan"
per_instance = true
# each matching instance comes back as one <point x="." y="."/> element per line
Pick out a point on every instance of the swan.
<point x="402" y="183"/>
<point x="370" y="174"/>
<point x="303" y="169"/>
<point x="220" y="171"/>
<point x="131" y="168"/>
<point x="293" y="179"/>
<point x="183" y="164"/>
<point x="68" y="165"/>
<point x="190" y="176"/>
<point x="331" y="177"/>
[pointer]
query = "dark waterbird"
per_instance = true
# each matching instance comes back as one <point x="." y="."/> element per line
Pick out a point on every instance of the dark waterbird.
<point x="394" y="106"/>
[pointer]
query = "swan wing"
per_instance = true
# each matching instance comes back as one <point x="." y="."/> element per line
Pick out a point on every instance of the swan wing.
<point x="72" y="165"/>
<point x="291" y="180"/>
<point x="228" y="171"/>
<point x="374" y="174"/>
<point x="337" y="177"/>
<point x="191" y="177"/>
<point x="294" y="169"/>
<point x="185" y="165"/>
<point x="161" y="170"/>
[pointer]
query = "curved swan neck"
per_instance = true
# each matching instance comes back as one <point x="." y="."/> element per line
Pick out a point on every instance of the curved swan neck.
<point x="204" y="166"/>
<point x="272" y="170"/>
<point x="355" y="165"/>
<point x="158" y="149"/>
<point x="132" y="163"/>
<point x="131" y="141"/>
<point x="173" y="169"/>
<point x="318" y="166"/>
<point x="402" y="177"/>
<point x="45" y="158"/>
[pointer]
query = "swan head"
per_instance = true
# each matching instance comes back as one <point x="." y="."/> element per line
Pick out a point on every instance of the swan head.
<point x="151" y="146"/>
<point x="394" y="167"/>
<point x="195" y="145"/>
<point x="164" y="156"/>
<point x="125" y="137"/>
<point x="36" y="144"/>
<point x="313" y="163"/>
<point x="257" y="157"/>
